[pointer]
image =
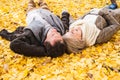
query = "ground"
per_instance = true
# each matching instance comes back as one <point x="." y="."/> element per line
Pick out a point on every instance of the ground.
<point x="99" y="62"/>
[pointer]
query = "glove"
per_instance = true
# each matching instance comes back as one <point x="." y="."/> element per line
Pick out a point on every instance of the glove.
<point x="65" y="13"/>
<point x="113" y="6"/>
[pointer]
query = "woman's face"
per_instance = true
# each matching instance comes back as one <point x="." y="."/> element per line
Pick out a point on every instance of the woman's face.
<point x="75" y="32"/>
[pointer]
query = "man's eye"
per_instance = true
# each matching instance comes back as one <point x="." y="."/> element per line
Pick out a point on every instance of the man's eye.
<point x="52" y="34"/>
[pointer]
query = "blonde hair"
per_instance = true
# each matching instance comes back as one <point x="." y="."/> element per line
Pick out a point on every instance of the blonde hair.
<point x="73" y="45"/>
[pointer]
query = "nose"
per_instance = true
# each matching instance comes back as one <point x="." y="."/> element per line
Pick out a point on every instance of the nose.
<point x="54" y="30"/>
<point x="71" y="30"/>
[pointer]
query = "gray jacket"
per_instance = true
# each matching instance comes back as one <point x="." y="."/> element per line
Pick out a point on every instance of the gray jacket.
<point x="40" y="21"/>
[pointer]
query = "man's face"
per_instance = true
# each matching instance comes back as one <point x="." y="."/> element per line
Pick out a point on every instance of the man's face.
<point x="53" y="36"/>
<point x="74" y="33"/>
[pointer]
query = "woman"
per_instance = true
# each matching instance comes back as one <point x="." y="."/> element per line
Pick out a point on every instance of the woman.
<point x="97" y="26"/>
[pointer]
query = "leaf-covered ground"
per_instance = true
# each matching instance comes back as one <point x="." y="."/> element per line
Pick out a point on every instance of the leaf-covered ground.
<point x="99" y="62"/>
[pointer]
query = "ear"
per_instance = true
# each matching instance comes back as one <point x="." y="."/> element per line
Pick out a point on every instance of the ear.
<point x="45" y="42"/>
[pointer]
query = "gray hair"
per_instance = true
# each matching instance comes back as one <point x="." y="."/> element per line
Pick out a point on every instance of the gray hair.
<point x="74" y="45"/>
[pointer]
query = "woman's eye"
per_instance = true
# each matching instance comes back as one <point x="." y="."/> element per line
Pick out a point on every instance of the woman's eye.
<point x="76" y="29"/>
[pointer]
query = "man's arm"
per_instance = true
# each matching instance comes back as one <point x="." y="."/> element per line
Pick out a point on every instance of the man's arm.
<point x="21" y="47"/>
<point x="11" y="35"/>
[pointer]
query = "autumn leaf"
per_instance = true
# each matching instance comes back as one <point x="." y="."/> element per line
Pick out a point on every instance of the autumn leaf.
<point x="98" y="62"/>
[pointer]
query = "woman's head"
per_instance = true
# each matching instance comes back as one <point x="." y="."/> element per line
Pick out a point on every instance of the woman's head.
<point x="73" y="42"/>
<point x="73" y="37"/>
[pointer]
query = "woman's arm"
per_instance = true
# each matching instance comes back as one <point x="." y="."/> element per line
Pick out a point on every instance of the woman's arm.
<point x="113" y="26"/>
<point x="107" y="15"/>
<point x="107" y="33"/>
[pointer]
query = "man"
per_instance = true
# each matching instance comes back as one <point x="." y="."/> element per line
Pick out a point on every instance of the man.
<point x="113" y="4"/>
<point x="97" y="26"/>
<point x="42" y="36"/>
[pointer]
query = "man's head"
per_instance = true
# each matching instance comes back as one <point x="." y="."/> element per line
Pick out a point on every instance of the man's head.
<point x="53" y="36"/>
<point x="54" y="43"/>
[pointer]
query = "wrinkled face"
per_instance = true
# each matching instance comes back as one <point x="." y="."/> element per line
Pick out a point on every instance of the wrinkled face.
<point x="74" y="32"/>
<point x="53" y="36"/>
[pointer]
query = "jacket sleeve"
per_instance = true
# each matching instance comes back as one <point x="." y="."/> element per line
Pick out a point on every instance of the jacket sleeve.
<point x="107" y="32"/>
<point x="11" y="35"/>
<point x="65" y="19"/>
<point x="107" y="15"/>
<point x="23" y="45"/>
